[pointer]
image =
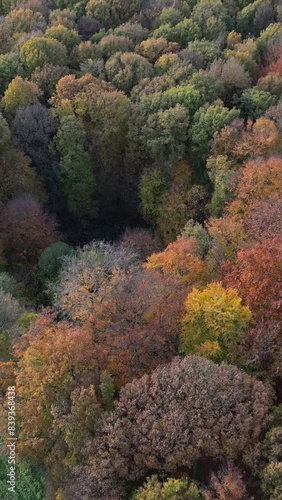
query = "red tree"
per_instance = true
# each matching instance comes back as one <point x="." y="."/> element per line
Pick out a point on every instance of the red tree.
<point x="256" y="274"/>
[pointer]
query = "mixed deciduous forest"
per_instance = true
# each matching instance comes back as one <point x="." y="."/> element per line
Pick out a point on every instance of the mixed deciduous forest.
<point x="140" y="248"/>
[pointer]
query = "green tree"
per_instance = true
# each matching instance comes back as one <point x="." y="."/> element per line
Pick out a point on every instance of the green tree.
<point x="184" y="32"/>
<point x="39" y="50"/>
<point x="205" y="50"/>
<point x="152" y="189"/>
<point x="185" y="94"/>
<point x="77" y="170"/>
<point x="8" y="284"/>
<point x="111" y="44"/>
<point x="112" y="12"/>
<point x="213" y="18"/>
<point x="10" y="67"/>
<point x="166" y="135"/>
<point x="255" y="102"/>
<point x="50" y="261"/>
<point x="10" y="310"/>
<point x="180" y="203"/>
<point x="126" y="70"/>
<point x="170" y="489"/>
<point x="207" y="121"/>
<point x="5" y="135"/>
<point x="222" y="174"/>
<point x="28" y="485"/>
<point x="107" y="388"/>
<point x="5" y="6"/>
<point x="68" y="37"/>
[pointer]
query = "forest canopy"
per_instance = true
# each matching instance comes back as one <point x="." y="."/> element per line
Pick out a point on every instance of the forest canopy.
<point x="140" y="249"/>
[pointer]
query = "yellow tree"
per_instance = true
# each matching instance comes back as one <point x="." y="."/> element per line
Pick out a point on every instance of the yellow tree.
<point x="54" y="359"/>
<point x="213" y="321"/>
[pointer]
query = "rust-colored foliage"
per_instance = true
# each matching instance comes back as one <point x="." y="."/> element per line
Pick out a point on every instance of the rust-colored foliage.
<point x="259" y="180"/>
<point x="274" y="68"/>
<point x="264" y="219"/>
<point x="257" y="276"/>
<point x="240" y="143"/>
<point x="136" y="324"/>
<point x="180" y="259"/>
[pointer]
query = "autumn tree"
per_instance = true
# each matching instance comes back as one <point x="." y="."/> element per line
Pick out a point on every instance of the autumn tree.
<point x="230" y="148"/>
<point x="20" y="93"/>
<point x="25" y="21"/>
<point x="139" y="241"/>
<point x="228" y="235"/>
<point x="27" y="230"/>
<point x="62" y="16"/>
<point x="135" y="321"/>
<point x="33" y="129"/>
<point x="260" y="349"/>
<point x="256" y="274"/>
<point x="213" y="321"/>
<point x="87" y="27"/>
<point x="180" y="259"/>
<point x="51" y="397"/>
<point x="47" y="77"/>
<point x="141" y="435"/>
<point x="260" y="179"/>
<point x="226" y="483"/>
<point x="83" y="273"/>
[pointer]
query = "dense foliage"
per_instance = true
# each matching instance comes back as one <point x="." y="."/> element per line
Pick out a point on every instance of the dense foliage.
<point x="140" y="248"/>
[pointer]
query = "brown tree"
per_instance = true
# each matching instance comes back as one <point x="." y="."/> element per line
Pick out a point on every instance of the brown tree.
<point x="27" y="230"/>
<point x="185" y="411"/>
